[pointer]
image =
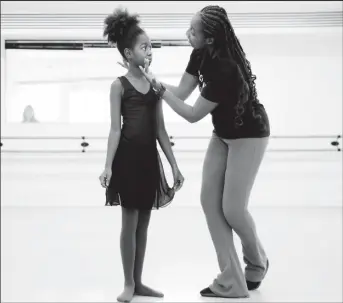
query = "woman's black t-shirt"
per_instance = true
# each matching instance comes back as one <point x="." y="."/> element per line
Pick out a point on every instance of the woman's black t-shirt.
<point x="220" y="81"/>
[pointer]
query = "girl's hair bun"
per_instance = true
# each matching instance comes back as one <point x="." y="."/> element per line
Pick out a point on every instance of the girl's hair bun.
<point x="119" y="23"/>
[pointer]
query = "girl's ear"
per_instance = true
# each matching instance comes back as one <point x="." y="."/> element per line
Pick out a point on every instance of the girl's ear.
<point x="128" y="53"/>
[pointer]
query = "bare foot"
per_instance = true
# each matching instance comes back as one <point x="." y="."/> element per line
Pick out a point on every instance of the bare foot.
<point x="127" y="294"/>
<point x="142" y="290"/>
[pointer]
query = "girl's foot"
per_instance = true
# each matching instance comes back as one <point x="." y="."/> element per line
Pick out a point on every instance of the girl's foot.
<point x="142" y="290"/>
<point x="127" y="294"/>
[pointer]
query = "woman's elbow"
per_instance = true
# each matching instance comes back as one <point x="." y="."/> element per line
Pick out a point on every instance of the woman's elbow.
<point x="193" y="119"/>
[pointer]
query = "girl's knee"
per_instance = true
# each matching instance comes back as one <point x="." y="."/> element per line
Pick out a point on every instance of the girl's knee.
<point x="129" y="218"/>
<point x="145" y="214"/>
<point x="144" y="219"/>
<point x="129" y="212"/>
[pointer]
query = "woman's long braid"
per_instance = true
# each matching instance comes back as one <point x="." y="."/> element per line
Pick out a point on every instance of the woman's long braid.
<point x="217" y="25"/>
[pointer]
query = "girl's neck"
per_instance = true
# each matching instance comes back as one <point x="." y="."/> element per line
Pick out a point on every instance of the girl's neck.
<point x="135" y="72"/>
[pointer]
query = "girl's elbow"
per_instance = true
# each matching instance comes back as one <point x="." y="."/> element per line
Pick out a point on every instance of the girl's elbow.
<point x="161" y="132"/>
<point x="114" y="131"/>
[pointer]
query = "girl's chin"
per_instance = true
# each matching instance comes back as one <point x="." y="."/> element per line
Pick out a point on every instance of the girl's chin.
<point x="148" y="61"/>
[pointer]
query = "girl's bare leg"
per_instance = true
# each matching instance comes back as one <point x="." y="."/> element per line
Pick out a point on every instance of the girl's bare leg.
<point x="141" y="241"/>
<point x="128" y="251"/>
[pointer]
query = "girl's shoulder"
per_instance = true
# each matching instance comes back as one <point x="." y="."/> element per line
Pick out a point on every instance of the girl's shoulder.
<point x="118" y="85"/>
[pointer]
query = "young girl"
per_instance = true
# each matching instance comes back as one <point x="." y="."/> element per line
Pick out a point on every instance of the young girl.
<point x="133" y="174"/>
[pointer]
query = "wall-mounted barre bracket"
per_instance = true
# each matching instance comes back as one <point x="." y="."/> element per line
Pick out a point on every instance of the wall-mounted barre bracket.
<point x="84" y="144"/>
<point x="336" y="143"/>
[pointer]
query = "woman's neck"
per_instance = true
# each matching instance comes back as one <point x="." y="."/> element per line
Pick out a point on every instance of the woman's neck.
<point x="211" y="51"/>
<point x="217" y="53"/>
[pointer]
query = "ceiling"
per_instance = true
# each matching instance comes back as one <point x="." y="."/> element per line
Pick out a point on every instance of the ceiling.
<point x="19" y="18"/>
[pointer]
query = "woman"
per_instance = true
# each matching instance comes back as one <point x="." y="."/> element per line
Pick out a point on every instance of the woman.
<point x="29" y="115"/>
<point x="240" y="137"/>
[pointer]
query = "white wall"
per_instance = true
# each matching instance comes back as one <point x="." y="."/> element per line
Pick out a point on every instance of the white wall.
<point x="285" y="180"/>
<point x="299" y="69"/>
<point x="25" y="7"/>
<point x="299" y="80"/>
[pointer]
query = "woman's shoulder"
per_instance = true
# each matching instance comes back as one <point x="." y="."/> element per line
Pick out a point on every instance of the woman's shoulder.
<point x="223" y="69"/>
<point x="197" y="54"/>
<point x="227" y="65"/>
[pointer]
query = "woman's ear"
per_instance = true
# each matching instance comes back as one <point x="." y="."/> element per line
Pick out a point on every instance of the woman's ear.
<point x="209" y="41"/>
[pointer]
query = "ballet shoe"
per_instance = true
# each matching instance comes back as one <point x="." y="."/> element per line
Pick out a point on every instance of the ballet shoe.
<point x="255" y="285"/>
<point x="207" y="292"/>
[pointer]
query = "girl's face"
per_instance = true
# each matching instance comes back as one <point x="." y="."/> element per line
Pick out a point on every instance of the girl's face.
<point x="141" y="50"/>
<point x="195" y="33"/>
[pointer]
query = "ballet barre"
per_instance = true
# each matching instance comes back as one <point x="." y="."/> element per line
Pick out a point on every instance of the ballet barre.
<point x="334" y="141"/>
<point x="83" y="44"/>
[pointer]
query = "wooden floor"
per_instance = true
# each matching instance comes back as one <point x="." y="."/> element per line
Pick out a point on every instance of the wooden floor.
<point x="72" y="254"/>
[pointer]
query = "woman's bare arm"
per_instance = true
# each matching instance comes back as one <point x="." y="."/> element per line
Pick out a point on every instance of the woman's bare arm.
<point x="185" y="88"/>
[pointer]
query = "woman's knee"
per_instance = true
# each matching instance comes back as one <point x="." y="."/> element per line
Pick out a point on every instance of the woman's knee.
<point x="234" y="213"/>
<point x="206" y="195"/>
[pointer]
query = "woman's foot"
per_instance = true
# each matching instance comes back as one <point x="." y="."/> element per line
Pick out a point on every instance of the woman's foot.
<point x="127" y="294"/>
<point x="207" y="292"/>
<point x="145" y="291"/>
<point x="254" y="285"/>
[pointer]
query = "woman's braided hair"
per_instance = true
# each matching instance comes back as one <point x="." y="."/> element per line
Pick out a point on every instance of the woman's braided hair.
<point x="216" y="25"/>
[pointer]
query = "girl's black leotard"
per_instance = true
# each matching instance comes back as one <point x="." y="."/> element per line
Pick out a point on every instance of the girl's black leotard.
<point x="138" y="180"/>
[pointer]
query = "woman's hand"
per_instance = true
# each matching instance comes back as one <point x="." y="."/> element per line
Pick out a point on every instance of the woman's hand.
<point x="178" y="178"/>
<point x="149" y="76"/>
<point x="105" y="177"/>
<point x="124" y="64"/>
